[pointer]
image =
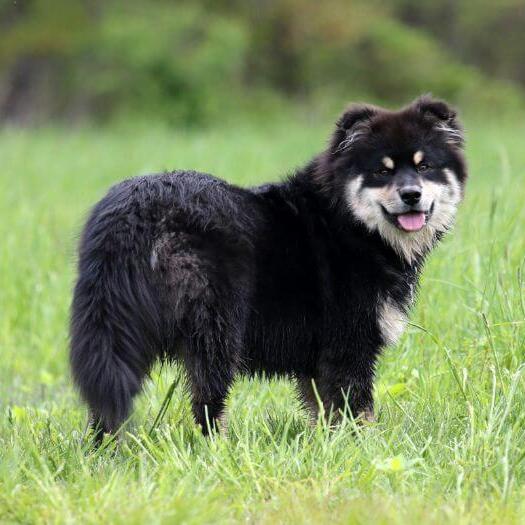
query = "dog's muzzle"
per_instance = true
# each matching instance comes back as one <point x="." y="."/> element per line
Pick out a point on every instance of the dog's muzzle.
<point x="410" y="219"/>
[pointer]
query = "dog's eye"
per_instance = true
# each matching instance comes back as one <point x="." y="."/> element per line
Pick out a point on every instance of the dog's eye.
<point x="423" y="167"/>
<point x="383" y="171"/>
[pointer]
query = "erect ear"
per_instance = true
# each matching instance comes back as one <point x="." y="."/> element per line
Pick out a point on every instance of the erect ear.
<point x="443" y="118"/>
<point x="352" y="125"/>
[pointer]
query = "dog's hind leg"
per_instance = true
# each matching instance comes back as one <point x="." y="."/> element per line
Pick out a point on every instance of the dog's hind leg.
<point x="206" y="297"/>
<point x="211" y="357"/>
<point x="210" y="380"/>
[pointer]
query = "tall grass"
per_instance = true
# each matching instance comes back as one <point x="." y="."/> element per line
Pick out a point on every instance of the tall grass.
<point x="449" y="446"/>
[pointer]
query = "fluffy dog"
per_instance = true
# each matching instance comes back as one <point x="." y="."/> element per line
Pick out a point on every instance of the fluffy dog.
<point x="308" y="278"/>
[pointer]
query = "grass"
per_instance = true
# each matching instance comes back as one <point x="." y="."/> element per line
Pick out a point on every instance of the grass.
<point x="449" y="446"/>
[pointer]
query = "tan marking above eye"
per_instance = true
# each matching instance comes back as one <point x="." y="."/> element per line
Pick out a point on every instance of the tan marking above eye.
<point x="418" y="157"/>
<point x="388" y="163"/>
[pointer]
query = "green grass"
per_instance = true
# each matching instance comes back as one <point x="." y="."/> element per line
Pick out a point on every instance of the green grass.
<point x="449" y="446"/>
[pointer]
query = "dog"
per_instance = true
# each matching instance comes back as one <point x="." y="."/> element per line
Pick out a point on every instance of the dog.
<point x="309" y="278"/>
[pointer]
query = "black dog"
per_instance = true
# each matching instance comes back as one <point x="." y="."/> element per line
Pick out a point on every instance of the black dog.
<point x="310" y="277"/>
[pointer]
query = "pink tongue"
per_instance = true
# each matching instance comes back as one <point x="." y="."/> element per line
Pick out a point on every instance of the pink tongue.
<point x="411" y="222"/>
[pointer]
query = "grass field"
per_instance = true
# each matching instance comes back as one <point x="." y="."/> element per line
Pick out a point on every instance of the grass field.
<point x="449" y="446"/>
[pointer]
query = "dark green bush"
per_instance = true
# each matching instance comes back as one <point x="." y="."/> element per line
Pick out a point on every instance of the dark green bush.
<point x="180" y="62"/>
<point x="193" y="62"/>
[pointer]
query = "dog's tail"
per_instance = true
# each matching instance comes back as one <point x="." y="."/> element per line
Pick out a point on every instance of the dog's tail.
<point x="116" y="319"/>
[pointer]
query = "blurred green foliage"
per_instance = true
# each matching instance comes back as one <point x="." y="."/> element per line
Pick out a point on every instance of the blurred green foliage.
<point x="180" y="62"/>
<point x="189" y="62"/>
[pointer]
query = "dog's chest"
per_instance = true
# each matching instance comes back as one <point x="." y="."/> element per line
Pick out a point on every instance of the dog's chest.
<point x="391" y="319"/>
<point x="378" y="307"/>
<point x="394" y="296"/>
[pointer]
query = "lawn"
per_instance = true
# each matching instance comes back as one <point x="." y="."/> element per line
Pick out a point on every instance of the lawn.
<point x="449" y="446"/>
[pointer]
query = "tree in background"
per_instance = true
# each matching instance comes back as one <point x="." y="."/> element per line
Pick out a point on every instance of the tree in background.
<point x="192" y="62"/>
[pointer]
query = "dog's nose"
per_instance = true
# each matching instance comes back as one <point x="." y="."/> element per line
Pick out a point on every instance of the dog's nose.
<point x="410" y="194"/>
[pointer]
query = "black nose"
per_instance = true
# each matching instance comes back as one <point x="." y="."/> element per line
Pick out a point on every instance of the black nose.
<point x="410" y="194"/>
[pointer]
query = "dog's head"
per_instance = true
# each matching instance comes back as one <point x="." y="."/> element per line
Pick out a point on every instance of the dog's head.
<point x="401" y="173"/>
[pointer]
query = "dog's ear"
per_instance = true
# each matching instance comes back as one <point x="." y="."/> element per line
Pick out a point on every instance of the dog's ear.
<point x="352" y="125"/>
<point x="442" y="117"/>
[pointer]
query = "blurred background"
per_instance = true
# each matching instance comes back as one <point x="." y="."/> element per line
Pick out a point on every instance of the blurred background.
<point x="200" y="62"/>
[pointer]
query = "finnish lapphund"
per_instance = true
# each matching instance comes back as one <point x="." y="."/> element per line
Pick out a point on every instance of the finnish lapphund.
<point x="308" y="278"/>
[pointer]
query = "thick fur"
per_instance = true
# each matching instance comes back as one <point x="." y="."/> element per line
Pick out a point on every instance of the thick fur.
<point x="304" y="278"/>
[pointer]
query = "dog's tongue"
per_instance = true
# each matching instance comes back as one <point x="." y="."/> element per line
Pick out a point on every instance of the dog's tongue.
<point x="411" y="222"/>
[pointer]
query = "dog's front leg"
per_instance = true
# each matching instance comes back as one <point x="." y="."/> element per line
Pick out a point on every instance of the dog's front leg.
<point x="345" y="386"/>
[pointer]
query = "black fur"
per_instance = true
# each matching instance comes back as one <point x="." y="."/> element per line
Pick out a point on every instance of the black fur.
<point x="281" y="278"/>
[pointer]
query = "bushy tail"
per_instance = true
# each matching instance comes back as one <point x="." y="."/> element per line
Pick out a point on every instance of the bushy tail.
<point x="116" y="319"/>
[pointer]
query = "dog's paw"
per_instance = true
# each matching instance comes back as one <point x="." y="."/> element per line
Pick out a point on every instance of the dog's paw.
<point x="366" y="417"/>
